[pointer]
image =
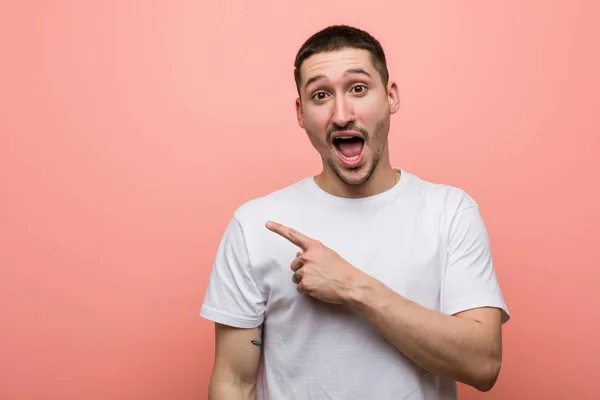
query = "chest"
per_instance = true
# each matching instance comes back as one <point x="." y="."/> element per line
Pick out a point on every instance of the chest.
<point x="404" y="251"/>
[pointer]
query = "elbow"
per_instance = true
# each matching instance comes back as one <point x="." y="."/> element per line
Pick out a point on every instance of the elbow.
<point x="231" y="387"/>
<point x="485" y="385"/>
<point x="487" y="375"/>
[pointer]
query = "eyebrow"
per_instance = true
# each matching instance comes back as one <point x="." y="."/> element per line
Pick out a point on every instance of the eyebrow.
<point x="358" y="71"/>
<point x="352" y="71"/>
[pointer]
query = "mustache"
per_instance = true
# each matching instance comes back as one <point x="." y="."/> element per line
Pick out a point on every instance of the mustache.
<point x="348" y="127"/>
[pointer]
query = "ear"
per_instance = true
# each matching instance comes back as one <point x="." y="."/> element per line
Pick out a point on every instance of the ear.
<point x="299" y="113"/>
<point x="393" y="97"/>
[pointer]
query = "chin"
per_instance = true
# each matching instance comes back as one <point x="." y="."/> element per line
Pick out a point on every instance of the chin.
<point x="354" y="176"/>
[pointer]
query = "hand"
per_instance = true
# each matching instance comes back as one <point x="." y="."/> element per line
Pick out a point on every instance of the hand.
<point x="318" y="270"/>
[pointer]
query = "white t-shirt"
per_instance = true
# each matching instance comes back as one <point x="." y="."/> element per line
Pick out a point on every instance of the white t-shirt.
<point x="425" y="241"/>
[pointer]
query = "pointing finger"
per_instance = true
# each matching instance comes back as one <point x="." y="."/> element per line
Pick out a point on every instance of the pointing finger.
<point x="290" y="234"/>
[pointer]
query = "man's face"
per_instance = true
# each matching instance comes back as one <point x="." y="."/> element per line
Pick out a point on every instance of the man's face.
<point x="345" y="109"/>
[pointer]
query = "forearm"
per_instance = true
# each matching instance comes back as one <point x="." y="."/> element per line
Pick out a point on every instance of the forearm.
<point x="459" y="348"/>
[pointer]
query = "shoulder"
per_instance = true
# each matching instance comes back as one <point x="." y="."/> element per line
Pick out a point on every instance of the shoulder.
<point x="456" y="212"/>
<point x="259" y="209"/>
<point x="250" y="217"/>
<point x="446" y="198"/>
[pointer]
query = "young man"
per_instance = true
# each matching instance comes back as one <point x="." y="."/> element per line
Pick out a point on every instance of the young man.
<point x="363" y="282"/>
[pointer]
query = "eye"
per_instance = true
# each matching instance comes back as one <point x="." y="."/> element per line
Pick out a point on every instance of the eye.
<point x="359" y="89"/>
<point x="319" y="96"/>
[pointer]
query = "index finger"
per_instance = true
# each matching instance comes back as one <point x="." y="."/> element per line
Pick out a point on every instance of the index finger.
<point x="290" y="234"/>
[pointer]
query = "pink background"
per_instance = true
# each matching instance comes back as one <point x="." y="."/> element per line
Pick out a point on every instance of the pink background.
<point x="130" y="131"/>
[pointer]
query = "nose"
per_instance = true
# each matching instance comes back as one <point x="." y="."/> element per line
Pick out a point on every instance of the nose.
<point x="342" y="112"/>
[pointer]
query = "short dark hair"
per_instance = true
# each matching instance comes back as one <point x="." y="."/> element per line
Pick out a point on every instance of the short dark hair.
<point x="340" y="37"/>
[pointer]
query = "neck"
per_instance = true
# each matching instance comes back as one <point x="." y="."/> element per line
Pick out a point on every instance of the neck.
<point x="384" y="177"/>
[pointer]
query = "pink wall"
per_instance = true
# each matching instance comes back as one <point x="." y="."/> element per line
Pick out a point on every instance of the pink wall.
<point x="130" y="132"/>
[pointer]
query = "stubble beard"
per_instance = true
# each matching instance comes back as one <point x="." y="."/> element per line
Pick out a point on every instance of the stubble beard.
<point x="362" y="174"/>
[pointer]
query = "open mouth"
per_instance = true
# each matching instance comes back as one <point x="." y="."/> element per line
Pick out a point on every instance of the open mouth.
<point x="349" y="147"/>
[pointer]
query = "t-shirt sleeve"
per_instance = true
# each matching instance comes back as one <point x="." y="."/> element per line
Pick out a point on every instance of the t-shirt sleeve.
<point x="470" y="279"/>
<point x="232" y="296"/>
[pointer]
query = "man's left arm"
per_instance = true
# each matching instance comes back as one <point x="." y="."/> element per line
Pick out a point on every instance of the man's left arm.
<point x="466" y="346"/>
<point x="464" y="340"/>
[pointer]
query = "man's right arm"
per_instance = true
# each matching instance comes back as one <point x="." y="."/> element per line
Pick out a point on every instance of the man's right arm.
<point x="237" y="356"/>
